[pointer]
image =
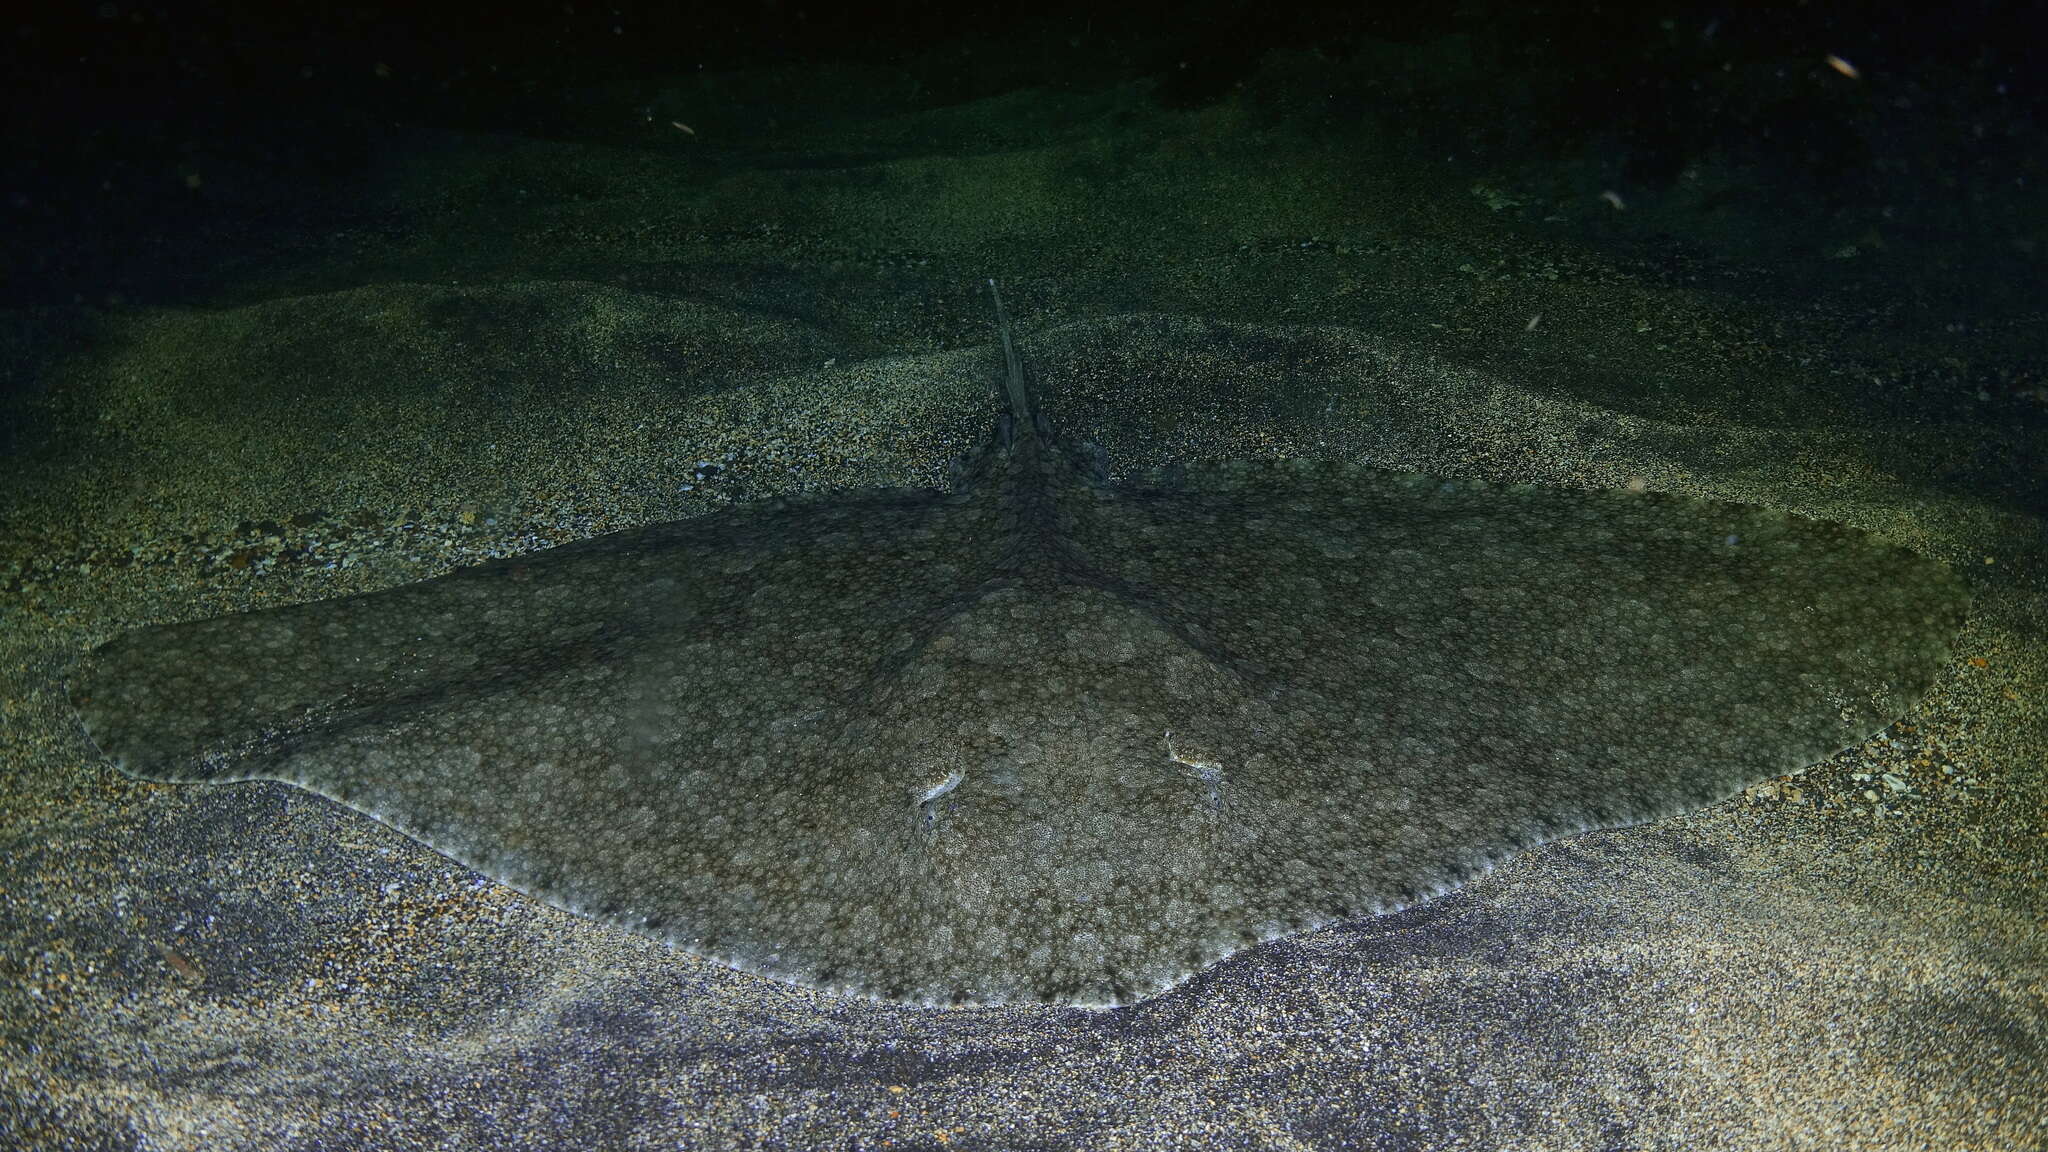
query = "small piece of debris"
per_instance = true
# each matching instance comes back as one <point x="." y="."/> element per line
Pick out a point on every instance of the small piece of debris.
<point x="188" y="972"/>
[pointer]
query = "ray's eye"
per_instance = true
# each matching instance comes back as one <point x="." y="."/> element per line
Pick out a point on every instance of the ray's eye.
<point x="929" y="799"/>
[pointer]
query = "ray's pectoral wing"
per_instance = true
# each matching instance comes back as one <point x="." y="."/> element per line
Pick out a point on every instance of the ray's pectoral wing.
<point x="1466" y="670"/>
<point x="509" y="712"/>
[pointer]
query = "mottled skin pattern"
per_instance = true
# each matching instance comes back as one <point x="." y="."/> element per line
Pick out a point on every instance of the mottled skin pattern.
<point x="1043" y="737"/>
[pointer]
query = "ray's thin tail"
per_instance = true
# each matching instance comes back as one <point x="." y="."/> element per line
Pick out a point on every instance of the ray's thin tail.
<point x="1013" y="364"/>
<point x="1024" y="411"/>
